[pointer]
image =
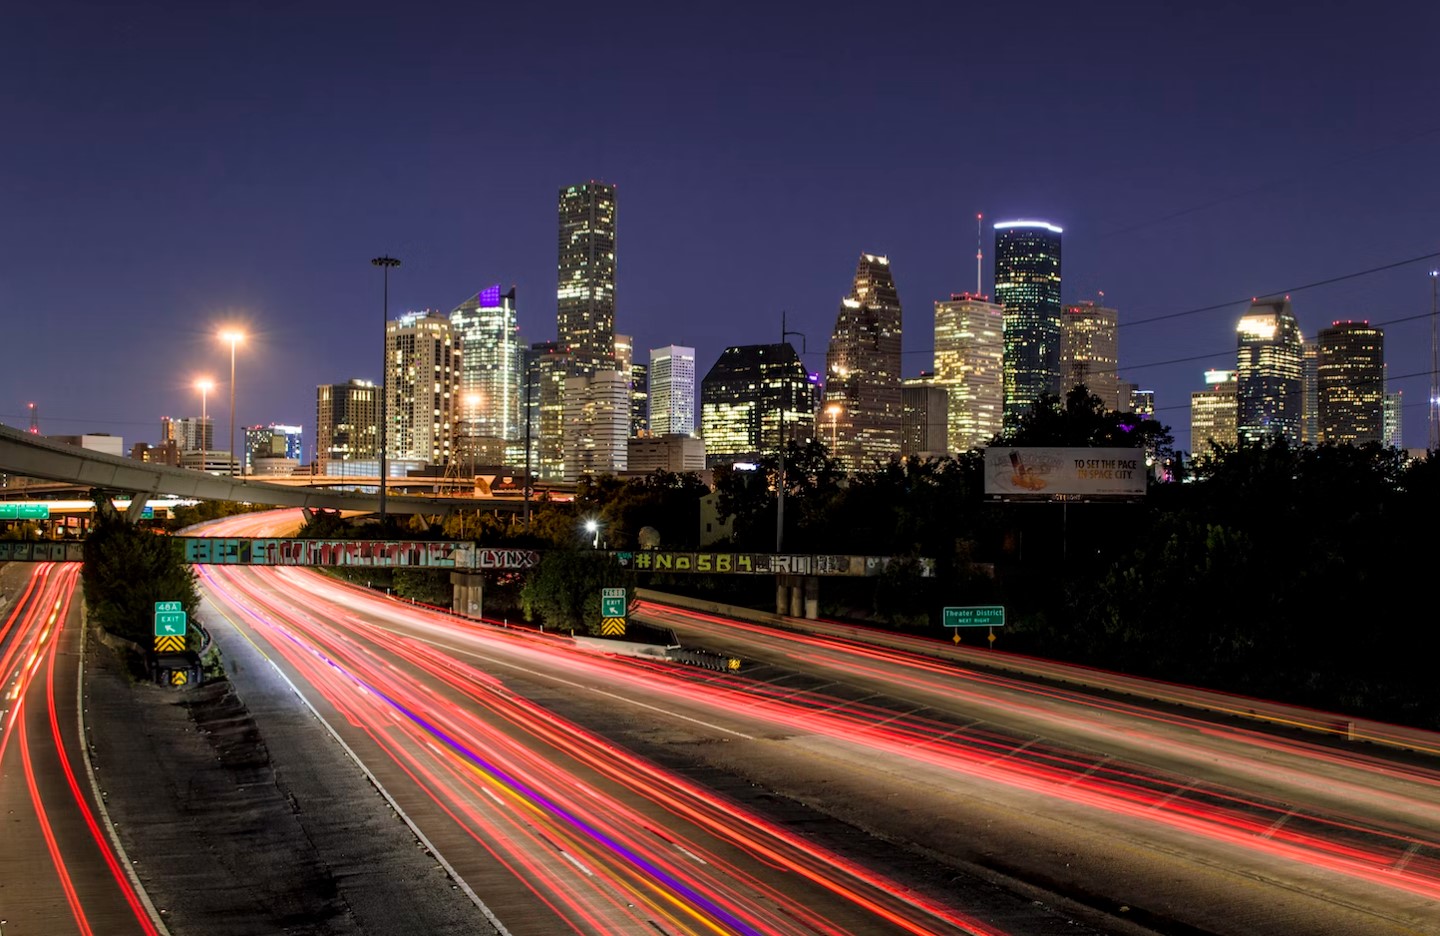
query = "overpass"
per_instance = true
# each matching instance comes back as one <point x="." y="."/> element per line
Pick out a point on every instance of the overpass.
<point x="29" y="455"/>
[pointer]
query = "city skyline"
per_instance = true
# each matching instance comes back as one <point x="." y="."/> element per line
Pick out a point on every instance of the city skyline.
<point x="1187" y="210"/>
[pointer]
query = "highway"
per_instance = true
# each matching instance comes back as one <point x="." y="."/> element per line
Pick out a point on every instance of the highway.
<point x="1123" y="816"/>
<point x="59" y="869"/>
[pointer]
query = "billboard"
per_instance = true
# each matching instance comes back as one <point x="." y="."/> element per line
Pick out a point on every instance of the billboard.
<point x="1064" y="474"/>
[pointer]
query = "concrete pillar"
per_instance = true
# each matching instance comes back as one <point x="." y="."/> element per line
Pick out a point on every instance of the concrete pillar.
<point x="812" y="597"/>
<point x="467" y="593"/>
<point x="782" y="595"/>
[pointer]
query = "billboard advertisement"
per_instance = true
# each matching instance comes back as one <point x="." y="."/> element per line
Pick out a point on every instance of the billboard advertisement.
<point x="1072" y="474"/>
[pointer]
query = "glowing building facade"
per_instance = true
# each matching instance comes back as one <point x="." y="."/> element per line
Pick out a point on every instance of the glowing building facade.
<point x="1212" y="412"/>
<point x="585" y="291"/>
<point x="596" y="412"/>
<point x="423" y="361"/>
<point x="347" y="425"/>
<point x="547" y="366"/>
<point x="491" y="381"/>
<point x="862" y="368"/>
<point x="751" y="398"/>
<point x="1350" y="378"/>
<point x="1089" y="350"/>
<point x="1269" y="379"/>
<point x="1027" y="285"/>
<point x="672" y="391"/>
<point x="970" y="365"/>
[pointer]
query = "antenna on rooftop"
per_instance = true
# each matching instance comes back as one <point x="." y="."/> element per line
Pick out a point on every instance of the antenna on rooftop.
<point x="979" y="252"/>
<point x="34" y="419"/>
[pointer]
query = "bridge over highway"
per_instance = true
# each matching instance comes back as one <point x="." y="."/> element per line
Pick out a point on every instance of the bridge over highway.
<point x="29" y="455"/>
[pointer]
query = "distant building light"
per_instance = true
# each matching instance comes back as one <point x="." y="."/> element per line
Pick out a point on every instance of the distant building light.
<point x="1046" y="225"/>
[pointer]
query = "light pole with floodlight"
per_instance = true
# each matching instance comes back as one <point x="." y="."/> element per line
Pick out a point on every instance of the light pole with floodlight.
<point x="234" y="338"/>
<point x="386" y="264"/>
<point x="204" y="385"/>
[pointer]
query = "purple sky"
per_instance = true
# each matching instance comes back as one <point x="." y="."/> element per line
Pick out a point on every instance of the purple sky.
<point x="169" y="168"/>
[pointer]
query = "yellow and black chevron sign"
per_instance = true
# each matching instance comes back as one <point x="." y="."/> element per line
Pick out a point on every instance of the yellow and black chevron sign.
<point x="170" y="644"/>
<point x="179" y="677"/>
<point x="612" y="627"/>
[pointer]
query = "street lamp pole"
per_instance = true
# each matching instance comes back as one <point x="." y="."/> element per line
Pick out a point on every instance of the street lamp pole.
<point x="234" y="338"/>
<point x="204" y="386"/>
<point x="385" y="264"/>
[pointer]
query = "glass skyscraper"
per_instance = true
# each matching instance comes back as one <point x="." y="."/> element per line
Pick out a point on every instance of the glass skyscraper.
<point x="754" y="396"/>
<point x="347" y="425"/>
<point x="672" y="391"/>
<point x="423" y="362"/>
<point x="969" y="364"/>
<point x="585" y="291"/>
<point x="1212" y="412"/>
<point x="1350" y="381"/>
<point x="490" y="386"/>
<point x="862" y="368"/>
<point x="1269" y="391"/>
<point x="1027" y="285"/>
<point x="1089" y="350"/>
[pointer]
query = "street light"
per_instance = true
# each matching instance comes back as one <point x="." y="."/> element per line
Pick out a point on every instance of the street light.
<point x="593" y="526"/>
<point x="204" y="385"/>
<point x="385" y="264"/>
<point x="234" y="338"/>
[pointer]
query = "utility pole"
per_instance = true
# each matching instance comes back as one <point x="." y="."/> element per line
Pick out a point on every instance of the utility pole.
<point x="1434" y="443"/>
<point x="385" y="264"/>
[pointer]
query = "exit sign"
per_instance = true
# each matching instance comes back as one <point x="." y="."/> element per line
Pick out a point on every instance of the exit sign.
<point x="170" y="619"/>
<point x="987" y="616"/>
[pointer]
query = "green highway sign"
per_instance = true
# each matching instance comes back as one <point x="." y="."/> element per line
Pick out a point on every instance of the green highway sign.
<point x="612" y="602"/>
<point x="170" y="619"/>
<point x="993" y="616"/>
<point x="17" y="511"/>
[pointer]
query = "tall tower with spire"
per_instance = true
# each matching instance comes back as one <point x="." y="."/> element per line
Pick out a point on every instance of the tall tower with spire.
<point x="862" y="368"/>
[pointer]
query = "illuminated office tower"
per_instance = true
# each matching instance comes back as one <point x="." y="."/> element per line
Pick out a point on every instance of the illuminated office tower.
<point x="347" y="426"/>
<point x="190" y="434"/>
<point x="597" y="423"/>
<point x="1089" y="352"/>
<point x="423" y="362"/>
<point x="862" y="368"/>
<point x="754" y="396"/>
<point x="639" y="385"/>
<point x="1269" y="377"/>
<point x="1212" y="412"/>
<point x="969" y="364"/>
<point x="672" y="391"/>
<point x="547" y="366"/>
<point x="1142" y="403"/>
<point x="272" y="442"/>
<point x="925" y="418"/>
<point x="1027" y="284"/>
<point x="1309" y="392"/>
<point x="1351" y="382"/>
<point x="585" y="291"/>
<point x="491" y="384"/>
<point x="1394" y="410"/>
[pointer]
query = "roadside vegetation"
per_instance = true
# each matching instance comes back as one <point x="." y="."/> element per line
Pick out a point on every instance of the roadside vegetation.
<point x="127" y="569"/>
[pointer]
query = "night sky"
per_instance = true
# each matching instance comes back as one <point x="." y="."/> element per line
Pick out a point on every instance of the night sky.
<point x="167" y="169"/>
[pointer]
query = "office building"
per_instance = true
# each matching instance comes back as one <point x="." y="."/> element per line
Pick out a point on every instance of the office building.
<point x="1269" y="392"/>
<point x="639" y="385"/>
<point x="862" y="368"/>
<point x="925" y="418"/>
<point x="596" y="411"/>
<point x="547" y="366"/>
<point x="969" y="364"/>
<point x="1027" y="284"/>
<point x="1212" y="412"/>
<point x="1309" y="392"/>
<point x="190" y="434"/>
<point x="423" y="361"/>
<point x="672" y="391"/>
<point x="491" y="381"/>
<point x="1394" y="410"/>
<point x="752" y="398"/>
<point x="673" y="452"/>
<point x="1350" y="380"/>
<point x="272" y="442"/>
<point x="585" y="291"/>
<point x="1089" y="350"/>
<point x="347" y="426"/>
<point x="102" y="442"/>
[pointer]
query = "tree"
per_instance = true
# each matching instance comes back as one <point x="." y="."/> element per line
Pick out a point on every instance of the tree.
<point x="564" y="592"/>
<point x="127" y="570"/>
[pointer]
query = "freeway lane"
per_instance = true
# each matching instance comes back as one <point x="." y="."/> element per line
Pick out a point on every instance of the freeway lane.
<point x="554" y="829"/>
<point x="59" y="872"/>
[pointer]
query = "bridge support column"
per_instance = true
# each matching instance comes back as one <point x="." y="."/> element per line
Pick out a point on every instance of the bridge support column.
<point x="812" y="597"/>
<point x="136" y="510"/>
<point x="797" y="595"/>
<point x="468" y="593"/>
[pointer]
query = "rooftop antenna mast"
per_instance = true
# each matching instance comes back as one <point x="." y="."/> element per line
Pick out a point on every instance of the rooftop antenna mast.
<point x="979" y="252"/>
<point x="34" y="419"/>
<point x="1434" y="364"/>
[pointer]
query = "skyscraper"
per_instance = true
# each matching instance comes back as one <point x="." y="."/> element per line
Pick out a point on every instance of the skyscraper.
<point x="547" y="366"/>
<point x="1089" y="352"/>
<point x="926" y="416"/>
<point x="597" y="423"/>
<point x="1212" y="412"/>
<point x="1268" y="373"/>
<point x="272" y="442"/>
<point x="752" y="397"/>
<point x="491" y="382"/>
<point x="862" y="368"/>
<point x="347" y="426"/>
<point x="585" y="292"/>
<point x="969" y="364"/>
<point x="1351" y="383"/>
<point x="423" y="363"/>
<point x="1309" y="392"/>
<point x="1027" y="284"/>
<point x="639" y="385"/>
<point x="672" y="391"/>
<point x="1394" y="410"/>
